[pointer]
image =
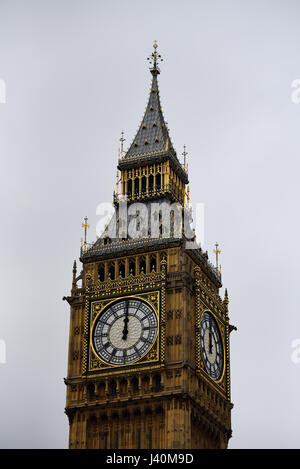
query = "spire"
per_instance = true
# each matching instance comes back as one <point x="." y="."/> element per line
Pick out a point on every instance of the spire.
<point x="152" y="137"/>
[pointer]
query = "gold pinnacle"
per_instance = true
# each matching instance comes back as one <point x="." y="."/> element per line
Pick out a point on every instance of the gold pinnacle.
<point x="85" y="225"/>
<point x="217" y="252"/>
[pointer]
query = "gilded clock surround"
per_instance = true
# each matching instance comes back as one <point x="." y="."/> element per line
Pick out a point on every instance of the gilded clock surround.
<point x="97" y="307"/>
<point x="166" y="399"/>
<point x="221" y="327"/>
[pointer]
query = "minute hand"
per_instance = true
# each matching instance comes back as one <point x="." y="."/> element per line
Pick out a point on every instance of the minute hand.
<point x="126" y="320"/>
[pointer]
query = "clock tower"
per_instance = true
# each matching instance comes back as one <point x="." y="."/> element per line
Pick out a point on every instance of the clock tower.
<point x="148" y="363"/>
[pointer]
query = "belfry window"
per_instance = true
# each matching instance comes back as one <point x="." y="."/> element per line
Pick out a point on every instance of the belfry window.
<point x="136" y="186"/>
<point x="142" y="265"/>
<point x="129" y="187"/>
<point x="122" y="269"/>
<point x="101" y="273"/>
<point x="132" y="266"/>
<point x="153" y="263"/>
<point x="151" y="182"/>
<point x="111" y="271"/>
<point x="158" y="181"/>
<point x="144" y="180"/>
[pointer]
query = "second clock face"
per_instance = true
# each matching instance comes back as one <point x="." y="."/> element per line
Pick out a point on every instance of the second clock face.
<point x="211" y="345"/>
<point x="125" y="331"/>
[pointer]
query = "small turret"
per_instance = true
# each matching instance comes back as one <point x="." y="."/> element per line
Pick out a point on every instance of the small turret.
<point x="74" y="284"/>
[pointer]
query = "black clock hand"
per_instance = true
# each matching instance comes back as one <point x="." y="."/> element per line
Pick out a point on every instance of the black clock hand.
<point x="126" y="320"/>
<point x="210" y="339"/>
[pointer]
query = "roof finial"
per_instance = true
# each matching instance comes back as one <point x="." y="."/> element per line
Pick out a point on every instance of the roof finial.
<point x="122" y="140"/>
<point x="85" y="225"/>
<point x="184" y="154"/>
<point x="217" y="252"/>
<point x="154" y="59"/>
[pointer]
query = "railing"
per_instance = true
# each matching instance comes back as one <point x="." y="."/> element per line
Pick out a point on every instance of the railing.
<point x="151" y="193"/>
<point x="128" y="243"/>
<point x="153" y="155"/>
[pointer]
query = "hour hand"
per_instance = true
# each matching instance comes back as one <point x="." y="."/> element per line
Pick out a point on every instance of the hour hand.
<point x="210" y="345"/>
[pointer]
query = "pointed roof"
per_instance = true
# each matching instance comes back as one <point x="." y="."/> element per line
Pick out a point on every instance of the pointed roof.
<point x="152" y="136"/>
<point x="152" y="140"/>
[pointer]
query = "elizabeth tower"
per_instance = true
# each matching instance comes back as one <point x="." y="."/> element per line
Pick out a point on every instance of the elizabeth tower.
<point x="148" y="362"/>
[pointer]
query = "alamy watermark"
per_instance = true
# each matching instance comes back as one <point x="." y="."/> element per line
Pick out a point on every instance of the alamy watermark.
<point x="295" y="96"/>
<point x="2" y="352"/>
<point x="157" y="219"/>
<point x="295" y="356"/>
<point x="2" y="91"/>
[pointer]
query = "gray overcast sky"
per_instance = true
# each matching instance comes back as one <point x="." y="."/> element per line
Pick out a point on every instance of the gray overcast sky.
<point x="76" y="75"/>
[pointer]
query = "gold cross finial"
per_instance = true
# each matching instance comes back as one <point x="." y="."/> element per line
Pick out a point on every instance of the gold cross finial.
<point x="217" y="252"/>
<point x="85" y="225"/>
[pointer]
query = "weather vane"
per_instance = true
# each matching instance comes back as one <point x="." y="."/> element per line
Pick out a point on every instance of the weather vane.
<point x="154" y="58"/>
<point x="217" y="252"/>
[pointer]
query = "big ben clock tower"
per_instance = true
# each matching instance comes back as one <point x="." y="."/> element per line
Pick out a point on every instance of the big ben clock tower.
<point x="148" y="363"/>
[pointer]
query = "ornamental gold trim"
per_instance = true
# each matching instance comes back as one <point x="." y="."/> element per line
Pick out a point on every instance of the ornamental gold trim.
<point x="222" y="333"/>
<point x="220" y="385"/>
<point x="97" y="306"/>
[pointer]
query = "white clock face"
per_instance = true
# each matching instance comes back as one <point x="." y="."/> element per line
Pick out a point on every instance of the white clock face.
<point x="125" y="331"/>
<point x="211" y="345"/>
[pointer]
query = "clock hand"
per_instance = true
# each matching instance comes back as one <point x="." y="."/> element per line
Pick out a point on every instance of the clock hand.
<point x="126" y="320"/>
<point x="210" y="340"/>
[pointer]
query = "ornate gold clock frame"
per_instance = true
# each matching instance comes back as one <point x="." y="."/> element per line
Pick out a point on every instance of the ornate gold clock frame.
<point x="150" y="288"/>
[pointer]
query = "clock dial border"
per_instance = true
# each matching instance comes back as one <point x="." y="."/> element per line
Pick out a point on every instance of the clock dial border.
<point x="154" y="351"/>
<point x="216" y="381"/>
